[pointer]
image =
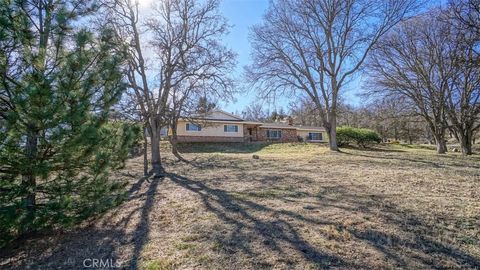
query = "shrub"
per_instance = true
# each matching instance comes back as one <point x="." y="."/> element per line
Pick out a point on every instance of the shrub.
<point x="360" y="136"/>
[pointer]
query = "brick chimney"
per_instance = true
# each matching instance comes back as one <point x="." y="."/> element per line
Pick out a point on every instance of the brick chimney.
<point x="290" y="121"/>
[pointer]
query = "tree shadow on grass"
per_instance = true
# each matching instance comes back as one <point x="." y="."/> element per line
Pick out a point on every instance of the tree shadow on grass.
<point x="142" y="230"/>
<point x="276" y="235"/>
<point x="67" y="250"/>
<point x="406" y="238"/>
<point x="237" y="148"/>
<point x="80" y="247"/>
<point x="418" y="160"/>
<point x="212" y="162"/>
<point x="372" y="149"/>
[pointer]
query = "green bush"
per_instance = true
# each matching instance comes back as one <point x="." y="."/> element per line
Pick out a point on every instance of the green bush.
<point x="360" y="136"/>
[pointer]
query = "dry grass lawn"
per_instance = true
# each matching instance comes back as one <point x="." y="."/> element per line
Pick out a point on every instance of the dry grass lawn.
<point x="297" y="207"/>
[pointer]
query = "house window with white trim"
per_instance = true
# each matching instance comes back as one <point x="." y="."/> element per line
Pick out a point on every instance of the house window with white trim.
<point x="315" y="136"/>
<point x="193" y="127"/>
<point x="274" y="134"/>
<point x="230" y="128"/>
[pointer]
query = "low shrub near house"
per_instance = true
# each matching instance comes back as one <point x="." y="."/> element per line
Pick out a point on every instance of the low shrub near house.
<point x="360" y="136"/>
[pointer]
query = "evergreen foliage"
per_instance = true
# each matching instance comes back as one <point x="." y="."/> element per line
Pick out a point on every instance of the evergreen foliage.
<point x="58" y="81"/>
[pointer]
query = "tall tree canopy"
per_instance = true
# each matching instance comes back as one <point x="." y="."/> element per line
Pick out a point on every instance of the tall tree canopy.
<point x="315" y="47"/>
<point x="186" y="60"/>
<point x="431" y="59"/>
<point x="58" y="81"/>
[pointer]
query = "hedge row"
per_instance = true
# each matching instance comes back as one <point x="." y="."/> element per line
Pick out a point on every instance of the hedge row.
<point x="360" y="136"/>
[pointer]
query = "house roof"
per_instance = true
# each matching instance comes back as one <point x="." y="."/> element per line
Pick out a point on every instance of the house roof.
<point x="218" y="115"/>
<point x="277" y="125"/>
<point x="222" y="116"/>
<point x="287" y="126"/>
<point x="310" y="128"/>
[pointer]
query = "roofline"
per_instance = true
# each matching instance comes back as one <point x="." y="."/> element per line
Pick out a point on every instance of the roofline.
<point x="240" y="122"/>
<point x="308" y="129"/>
<point x="229" y="114"/>
<point x="295" y="127"/>
<point x="215" y="119"/>
<point x="279" y="127"/>
<point x="199" y="117"/>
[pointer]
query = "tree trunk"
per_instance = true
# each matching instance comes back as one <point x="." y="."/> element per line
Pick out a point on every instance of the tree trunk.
<point x="441" y="143"/>
<point x="174" y="141"/>
<point x="332" y="131"/>
<point x="29" y="180"/>
<point x="145" y="154"/>
<point x="155" y="148"/>
<point x="409" y="134"/>
<point x="466" y="143"/>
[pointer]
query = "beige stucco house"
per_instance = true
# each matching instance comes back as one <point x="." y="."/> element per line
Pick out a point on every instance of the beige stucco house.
<point x="220" y="126"/>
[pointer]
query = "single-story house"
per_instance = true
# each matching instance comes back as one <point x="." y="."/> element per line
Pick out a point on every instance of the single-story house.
<point x="220" y="126"/>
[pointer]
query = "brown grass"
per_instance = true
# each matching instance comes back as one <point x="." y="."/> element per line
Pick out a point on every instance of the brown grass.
<point x="297" y="207"/>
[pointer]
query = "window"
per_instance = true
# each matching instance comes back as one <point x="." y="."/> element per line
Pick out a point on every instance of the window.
<point x="230" y="128"/>
<point x="193" y="127"/>
<point x="274" y="134"/>
<point x="315" y="136"/>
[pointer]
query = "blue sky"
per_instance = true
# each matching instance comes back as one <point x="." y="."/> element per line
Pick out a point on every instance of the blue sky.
<point x="242" y="14"/>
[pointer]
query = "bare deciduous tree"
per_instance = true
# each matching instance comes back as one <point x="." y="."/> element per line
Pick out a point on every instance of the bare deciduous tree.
<point x="463" y="95"/>
<point x="186" y="39"/>
<point x="304" y="112"/>
<point x="255" y="112"/>
<point x="151" y="97"/>
<point x="410" y="62"/>
<point x="433" y="63"/>
<point x="316" y="47"/>
<point x="466" y="13"/>
<point x="128" y="109"/>
<point x="182" y="36"/>
<point x="391" y="118"/>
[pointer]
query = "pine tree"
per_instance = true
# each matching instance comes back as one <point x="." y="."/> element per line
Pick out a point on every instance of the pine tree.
<point x="204" y="105"/>
<point x="58" y="81"/>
